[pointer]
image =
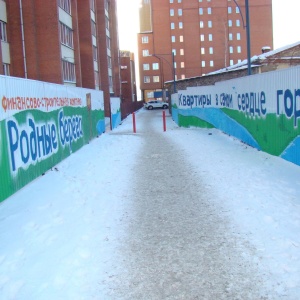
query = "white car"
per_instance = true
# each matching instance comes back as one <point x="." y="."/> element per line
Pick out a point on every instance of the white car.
<point x="156" y="104"/>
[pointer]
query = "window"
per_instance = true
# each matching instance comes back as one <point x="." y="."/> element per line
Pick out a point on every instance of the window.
<point x="109" y="63"/>
<point x="210" y="37"/>
<point x="230" y="23"/>
<point x="95" y="53"/>
<point x="171" y="1"/>
<point x="211" y="63"/>
<point x="230" y="36"/>
<point x="145" y="40"/>
<point x="181" y="51"/>
<point x="92" y="5"/>
<point x="96" y="74"/>
<point x="211" y="50"/>
<point x="182" y="64"/>
<point x="65" y="5"/>
<point x="238" y="24"/>
<point x="209" y="10"/>
<point x="145" y="52"/>
<point x="238" y="36"/>
<point x="230" y="49"/>
<point x="66" y="35"/>
<point x="201" y="24"/>
<point x="202" y="50"/>
<point x="68" y="71"/>
<point x="174" y="51"/>
<point x="182" y="76"/>
<point x="106" y="4"/>
<point x="6" y="69"/>
<point x="229" y="9"/>
<point x="202" y="37"/>
<point x="146" y="67"/>
<point x="172" y="12"/>
<point x="106" y="22"/>
<point x="108" y="42"/>
<point x="172" y="25"/>
<point x="239" y="49"/>
<point x="231" y="62"/>
<point x="209" y="23"/>
<point x="181" y="39"/>
<point x="150" y="94"/>
<point x="155" y="66"/>
<point x="200" y="11"/>
<point x="179" y="12"/>
<point x="179" y="1"/>
<point x="237" y="10"/>
<point x="146" y="79"/>
<point x="110" y="82"/>
<point x="3" y="35"/>
<point x="173" y="38"/>
<point x="155" y="78"/>
<point x="203" y="63"/>
<point x="93" y="24"/>
<point x="180" y="25"/>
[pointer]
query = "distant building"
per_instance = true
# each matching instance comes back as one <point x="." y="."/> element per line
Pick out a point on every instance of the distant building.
<point x="203" y="36"/>
<point x="128" y="82"/>
<point x="269" y="60"/>
<point x="71" y="42"/>
<point x="281" y="58"/>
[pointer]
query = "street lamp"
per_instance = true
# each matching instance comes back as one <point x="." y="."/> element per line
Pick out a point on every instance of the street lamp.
<point x="247" y="26"/>
<point x="160" y="56"/>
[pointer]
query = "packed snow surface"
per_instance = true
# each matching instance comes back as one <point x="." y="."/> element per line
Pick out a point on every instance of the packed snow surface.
<point x="188" y="213"/>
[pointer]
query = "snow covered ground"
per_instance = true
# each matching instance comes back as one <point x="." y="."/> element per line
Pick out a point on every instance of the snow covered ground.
<point x="59" y="232"/>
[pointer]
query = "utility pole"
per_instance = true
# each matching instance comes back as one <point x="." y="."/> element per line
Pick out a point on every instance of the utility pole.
<point x="248" y="36"/>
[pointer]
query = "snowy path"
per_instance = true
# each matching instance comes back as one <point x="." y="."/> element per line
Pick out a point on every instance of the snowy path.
<point x="182" y="214"/>
<point x="177" y="243"/>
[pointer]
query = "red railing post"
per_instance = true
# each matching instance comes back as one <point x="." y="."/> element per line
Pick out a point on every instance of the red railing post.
<point x="164" y="121"/>
<point x="133" y="122"/>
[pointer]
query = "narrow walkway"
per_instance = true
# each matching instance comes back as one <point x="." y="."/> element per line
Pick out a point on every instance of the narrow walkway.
<point x="176" y="242"/>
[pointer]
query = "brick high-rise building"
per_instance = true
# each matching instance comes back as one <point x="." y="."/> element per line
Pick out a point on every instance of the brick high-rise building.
<point x="72" y="42"/>
<point x="203" y="35"/>
<point x="128" y="82"/>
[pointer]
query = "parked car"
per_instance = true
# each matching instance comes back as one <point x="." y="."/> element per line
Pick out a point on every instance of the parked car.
<point x="156" y="104"/>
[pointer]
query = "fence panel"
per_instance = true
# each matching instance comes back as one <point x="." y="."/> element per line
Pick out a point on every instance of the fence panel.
<point x="262" y="110"/>
<point x="115" y="108"/>
<point x="40" y="125"/>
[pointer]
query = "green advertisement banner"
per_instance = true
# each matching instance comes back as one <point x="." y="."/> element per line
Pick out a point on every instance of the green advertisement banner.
<point x="36" y="134"/>
<point x="261" y="110"/>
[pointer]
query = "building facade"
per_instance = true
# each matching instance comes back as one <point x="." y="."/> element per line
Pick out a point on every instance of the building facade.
<point x="181" y="39"/>
<point x="281" y="58"/>
<point x="129" y="102"/>
<point x="71" y="42"/>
